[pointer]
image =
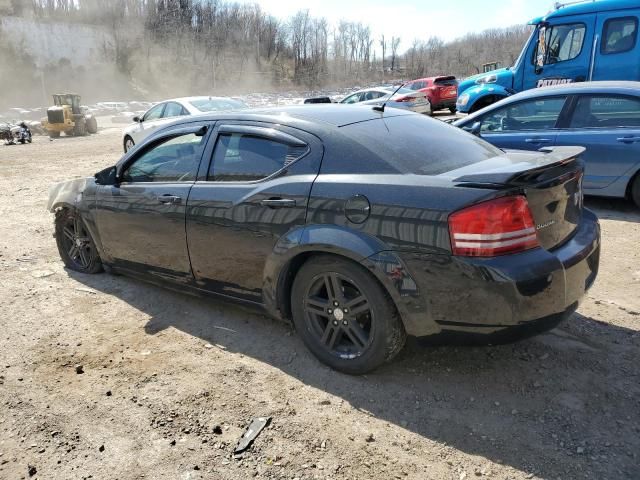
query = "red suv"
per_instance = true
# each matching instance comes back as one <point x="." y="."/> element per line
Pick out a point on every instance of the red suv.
<point x="442" y="92"/>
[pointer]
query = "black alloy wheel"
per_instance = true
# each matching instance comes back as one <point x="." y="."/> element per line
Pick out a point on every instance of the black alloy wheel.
<point x="344" y="315"/>
<point x="75" y="245"/>
<point x="339" y="315"/>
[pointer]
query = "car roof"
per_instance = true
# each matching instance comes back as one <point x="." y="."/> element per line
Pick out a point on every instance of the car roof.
<point x="586" y="7"/>
<point x="322" y="115"/>
<point x="200" y="97"/>
<point x="580" y="88"/>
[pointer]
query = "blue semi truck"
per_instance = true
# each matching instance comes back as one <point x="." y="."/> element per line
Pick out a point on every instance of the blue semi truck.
<point x="576" y="42"/>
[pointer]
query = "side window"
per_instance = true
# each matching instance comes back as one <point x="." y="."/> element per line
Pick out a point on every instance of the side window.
<point x="606" y="112"/>
<point x="563" y="43"/>
<point x="175" y="159"/>
<point x="537" y="114"/>
<point x="619" y="35"/>
<point x="172" y="110"/>
<point x="355" y="98"/>
<point x="155" y="113"/>
<point x="242" y="157"/>
<point x="372" y="95"/>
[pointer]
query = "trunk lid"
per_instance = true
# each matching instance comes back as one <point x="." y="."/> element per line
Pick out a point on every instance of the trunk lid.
<point x="551" y="180"/>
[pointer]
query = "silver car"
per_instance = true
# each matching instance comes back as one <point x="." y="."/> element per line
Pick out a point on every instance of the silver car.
<point x="165" y="112"/>
<point x="402" y="98"/>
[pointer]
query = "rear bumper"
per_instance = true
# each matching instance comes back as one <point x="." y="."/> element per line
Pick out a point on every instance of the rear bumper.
<point x="445" y="103"/>
<point x="485" y="296"/>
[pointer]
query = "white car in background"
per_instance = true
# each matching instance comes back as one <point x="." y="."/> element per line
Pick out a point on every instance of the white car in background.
<point x="165" y="112"/>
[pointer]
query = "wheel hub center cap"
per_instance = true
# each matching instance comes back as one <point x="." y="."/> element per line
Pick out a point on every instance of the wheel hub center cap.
<point x="78" y="242"/>
<point x="338" y="313"/>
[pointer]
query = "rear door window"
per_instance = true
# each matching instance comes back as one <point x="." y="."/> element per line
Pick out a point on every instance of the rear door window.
<point x="529" y="115"/>
<point x="172" y="109"/>
<point x="619" y="35"/>
<point x="606" y="112"/>
<point x="240" y="157"/>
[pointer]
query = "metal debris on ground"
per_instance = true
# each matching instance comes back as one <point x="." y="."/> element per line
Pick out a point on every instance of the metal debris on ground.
<point x="253" y="430"/>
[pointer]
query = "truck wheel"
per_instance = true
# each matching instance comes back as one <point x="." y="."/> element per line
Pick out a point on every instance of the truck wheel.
<point x="344" y="316"/>
<point x="92" y="124"/>
<point x="54" y="134"/>
<point x="80" y="128"/>
<point x="635" y="190"/>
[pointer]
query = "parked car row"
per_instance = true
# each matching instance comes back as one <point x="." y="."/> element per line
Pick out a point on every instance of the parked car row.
<point x="424" y="95"/>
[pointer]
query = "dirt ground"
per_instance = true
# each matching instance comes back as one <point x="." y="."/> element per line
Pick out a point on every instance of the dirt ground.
<point x="171" y="381"/>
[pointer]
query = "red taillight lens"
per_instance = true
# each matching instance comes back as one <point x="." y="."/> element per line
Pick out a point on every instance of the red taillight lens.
<point x="492" y="228"/>
<point x="405" y="99"/>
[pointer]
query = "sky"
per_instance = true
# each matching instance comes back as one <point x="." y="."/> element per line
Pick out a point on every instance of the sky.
<point x="410" y="19"/>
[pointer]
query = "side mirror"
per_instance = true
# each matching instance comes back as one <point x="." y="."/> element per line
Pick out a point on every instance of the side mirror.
<point x="136" y="119"/>
<point x="106" y="176"/>
<point x="474" y="129"/>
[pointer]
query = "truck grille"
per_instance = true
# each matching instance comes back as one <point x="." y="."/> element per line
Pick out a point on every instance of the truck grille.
<point x="55" y="115"/>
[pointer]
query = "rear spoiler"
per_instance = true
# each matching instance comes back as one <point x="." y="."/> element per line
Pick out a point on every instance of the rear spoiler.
<point x="522" y="172"/>
<point x="317" y="100"/>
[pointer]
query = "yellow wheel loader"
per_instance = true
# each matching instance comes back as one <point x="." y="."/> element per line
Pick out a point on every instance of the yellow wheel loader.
<point x="66" y="115"/>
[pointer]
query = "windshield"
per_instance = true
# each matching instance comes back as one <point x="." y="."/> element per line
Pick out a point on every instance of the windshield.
<point x="534" y="33"/>
<point x="217" y="104"/>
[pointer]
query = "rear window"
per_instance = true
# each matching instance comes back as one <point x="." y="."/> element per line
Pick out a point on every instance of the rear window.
<point x="218" y="104"/>
<point x="412" y="144"/>
<point x="446" y="81"/>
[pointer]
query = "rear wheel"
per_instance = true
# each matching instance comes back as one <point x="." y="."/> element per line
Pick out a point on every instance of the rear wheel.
<point x="453" y="109"/>
<point x="54" y="134"/>
<point x="635" y="190"/>
<point x="344" y="316"/>
<point x="80" y="128"/>
<point x="75" y="245"/>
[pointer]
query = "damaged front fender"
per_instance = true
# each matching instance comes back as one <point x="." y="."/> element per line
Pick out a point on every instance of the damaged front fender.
<point x="68" y="194"/>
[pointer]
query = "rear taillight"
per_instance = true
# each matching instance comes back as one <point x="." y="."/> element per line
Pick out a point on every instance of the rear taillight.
<point x="492" y="228"/>
<point x="406" y="99"/>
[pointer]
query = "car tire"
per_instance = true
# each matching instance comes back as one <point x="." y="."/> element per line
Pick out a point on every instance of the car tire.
<point x="635" y="190"/>
<point x="453" y="110"/>
<point x="128" y="143"/>
<point x="75" y="244"/>
<point x="324" y="292"/>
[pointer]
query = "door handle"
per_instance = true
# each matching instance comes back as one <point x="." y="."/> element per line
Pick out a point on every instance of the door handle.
<point x="628" y="139"/>
<point x="170" y="199"/>
<point x="538" y="140"/>
<point x="278" y="203"/>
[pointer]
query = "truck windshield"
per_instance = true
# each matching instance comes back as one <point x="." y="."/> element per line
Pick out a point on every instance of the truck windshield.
<point x="534" y="35"/>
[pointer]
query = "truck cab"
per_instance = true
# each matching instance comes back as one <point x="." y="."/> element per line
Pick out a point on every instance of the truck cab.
<point x="577" y="42"/>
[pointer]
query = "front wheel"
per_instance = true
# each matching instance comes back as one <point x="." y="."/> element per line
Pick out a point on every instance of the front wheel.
<point x="75" y="245"/>
<point x="344" y="316"/>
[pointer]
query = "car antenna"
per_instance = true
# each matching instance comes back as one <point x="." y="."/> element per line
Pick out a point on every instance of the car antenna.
<point x="380" y="108"/>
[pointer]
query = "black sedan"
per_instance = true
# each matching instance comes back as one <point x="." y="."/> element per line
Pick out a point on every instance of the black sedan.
<point x="356" y="225"/>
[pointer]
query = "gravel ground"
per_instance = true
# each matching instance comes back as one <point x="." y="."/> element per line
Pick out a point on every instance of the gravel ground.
<point x="170" y="381"/>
